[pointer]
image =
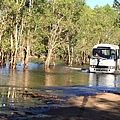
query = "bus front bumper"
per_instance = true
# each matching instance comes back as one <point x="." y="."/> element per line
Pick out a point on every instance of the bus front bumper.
<point x="101" y="70"/>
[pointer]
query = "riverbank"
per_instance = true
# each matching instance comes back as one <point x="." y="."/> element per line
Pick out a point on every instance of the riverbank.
<point x="103" y="106"/>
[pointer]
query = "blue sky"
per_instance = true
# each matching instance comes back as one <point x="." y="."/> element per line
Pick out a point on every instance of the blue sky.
<point x="93" y="3"/>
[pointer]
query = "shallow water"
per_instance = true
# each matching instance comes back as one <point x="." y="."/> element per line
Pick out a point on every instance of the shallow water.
<point x="36" y="77"/>
<point x="30" y="93"/>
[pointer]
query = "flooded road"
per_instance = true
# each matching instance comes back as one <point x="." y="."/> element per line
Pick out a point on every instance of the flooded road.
<point x="30" y="93"/>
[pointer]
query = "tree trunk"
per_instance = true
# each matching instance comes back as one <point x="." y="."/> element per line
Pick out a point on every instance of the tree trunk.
<point x="27" y="50"/>
<point x="3" y="59"/>
<point x="53" y="57"/>
<point x="48" y="59"/>
<point x="0" y="50"/>
<point x="12" y="61"/>
<point x="69" y="55"/>
<point x="0" y="56"/>
<point x="14" y="46"/>
<point x="25" y="59"/>
<point x="71" y="60"/>
<point x="83" y="58"/>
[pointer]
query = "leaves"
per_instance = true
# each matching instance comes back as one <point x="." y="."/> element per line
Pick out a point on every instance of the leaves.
<point x="57" y="24"/>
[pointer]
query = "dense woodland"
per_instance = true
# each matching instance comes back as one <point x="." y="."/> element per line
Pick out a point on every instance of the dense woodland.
<point x="54" y="29"/>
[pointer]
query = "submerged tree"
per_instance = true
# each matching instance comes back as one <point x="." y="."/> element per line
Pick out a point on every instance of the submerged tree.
<point x="17" y="30"/>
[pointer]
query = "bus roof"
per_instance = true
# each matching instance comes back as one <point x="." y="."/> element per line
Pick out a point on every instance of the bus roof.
<point x="111" y="46"/>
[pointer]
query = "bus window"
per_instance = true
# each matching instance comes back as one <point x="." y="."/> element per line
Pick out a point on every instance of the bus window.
<point x="113" y="54"/>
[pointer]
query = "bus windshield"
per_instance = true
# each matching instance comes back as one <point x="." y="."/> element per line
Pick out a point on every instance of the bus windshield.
<point x="104" y="53"/>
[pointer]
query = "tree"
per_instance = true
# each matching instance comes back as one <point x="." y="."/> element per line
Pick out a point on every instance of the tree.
<point x="3" y="24"/>
<point x="17" y="29"/>
<point x="116" y="6"/>
<point x="60" y="25"/>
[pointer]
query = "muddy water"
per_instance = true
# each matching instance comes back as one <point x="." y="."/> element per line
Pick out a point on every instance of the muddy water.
<point x="28" y="94"/>
<point x="36" y="77"/>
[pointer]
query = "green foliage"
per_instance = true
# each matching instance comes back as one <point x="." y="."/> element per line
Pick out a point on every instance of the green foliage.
<point x="58" y="24"/>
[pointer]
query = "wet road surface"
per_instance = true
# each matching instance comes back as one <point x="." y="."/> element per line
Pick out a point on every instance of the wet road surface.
<point x="27" y="103"/>
<point x="27" y="95"/>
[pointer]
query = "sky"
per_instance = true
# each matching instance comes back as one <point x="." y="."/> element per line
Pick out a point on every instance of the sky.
<point x="93" y="3"/>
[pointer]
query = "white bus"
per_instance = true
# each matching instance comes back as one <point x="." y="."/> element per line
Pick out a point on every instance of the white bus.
<point x="105" y="58"/>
